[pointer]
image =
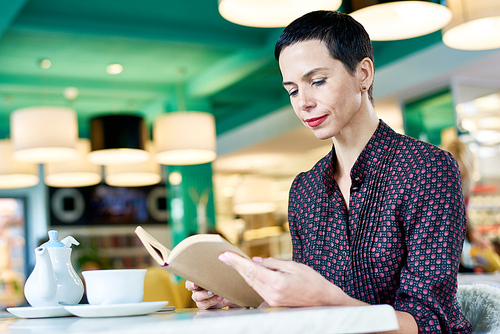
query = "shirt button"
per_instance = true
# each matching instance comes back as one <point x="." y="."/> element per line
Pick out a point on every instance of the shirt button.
<point x="357" y="178"/>
<point x="355" y="188"/>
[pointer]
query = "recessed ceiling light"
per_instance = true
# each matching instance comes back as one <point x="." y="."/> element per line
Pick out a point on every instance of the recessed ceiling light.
<point x="45" y="63"/>
<point x="175" y="178"/>
<point x="114" y="69"/>
<point x="71" y="93"/>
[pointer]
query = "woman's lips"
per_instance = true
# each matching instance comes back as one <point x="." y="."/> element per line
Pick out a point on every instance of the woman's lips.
<point x="313" y="122"/>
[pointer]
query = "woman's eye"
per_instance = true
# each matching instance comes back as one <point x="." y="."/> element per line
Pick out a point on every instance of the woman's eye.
<point x="293" y="92"/>
<point x="319" y="82"/>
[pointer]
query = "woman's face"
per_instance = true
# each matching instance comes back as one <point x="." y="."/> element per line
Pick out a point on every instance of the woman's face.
<point x="323" y="94"/>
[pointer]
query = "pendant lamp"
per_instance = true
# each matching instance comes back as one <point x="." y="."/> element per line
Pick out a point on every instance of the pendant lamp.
<point x="75" y="173"/>
<point x="134" y="175"/>
<point x="14" y="174"/>
<point x="185" y="138"/>
<point x="44" y="134"/>
<point x="392" y="20"/>
<point x="254" y="196"/>
<point x="271" y="13"/>
<point x="475" y="25"/>
<point x="118" y="139"/>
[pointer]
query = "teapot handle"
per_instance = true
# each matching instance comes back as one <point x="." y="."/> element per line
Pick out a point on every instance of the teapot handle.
<point x="69" y="241"/>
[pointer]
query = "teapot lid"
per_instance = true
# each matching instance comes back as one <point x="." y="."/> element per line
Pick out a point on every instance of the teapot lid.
<point x="53" y="242"/>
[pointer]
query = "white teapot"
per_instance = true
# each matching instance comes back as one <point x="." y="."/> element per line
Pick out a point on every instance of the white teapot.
<point x="53" y="279"/>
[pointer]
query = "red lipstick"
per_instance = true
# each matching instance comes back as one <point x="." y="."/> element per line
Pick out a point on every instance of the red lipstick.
<point x="313" y="122"/>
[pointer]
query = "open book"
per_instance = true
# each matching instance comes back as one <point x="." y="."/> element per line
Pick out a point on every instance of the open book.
<point x="196" y="259"/>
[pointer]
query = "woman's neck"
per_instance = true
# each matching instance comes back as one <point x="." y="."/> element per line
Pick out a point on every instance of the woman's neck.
<point x="352" y="139"/>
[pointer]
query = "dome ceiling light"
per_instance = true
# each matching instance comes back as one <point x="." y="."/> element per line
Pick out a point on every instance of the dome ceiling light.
<point x="271" y="13"/>
<point x="74" y="173"/>
<point x="185" y="138"/>
<point x="44" y="134"/>
<point x="394" y="20"/>
<point x="475" y="25"/>
<point x="254" y="196"/>
<point x="118" y="139"/>
<point x="134" y="175"/>
<point x="14" y="174"/>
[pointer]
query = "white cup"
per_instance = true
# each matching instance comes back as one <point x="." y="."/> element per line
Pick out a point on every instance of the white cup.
<point x="114" y="286"/>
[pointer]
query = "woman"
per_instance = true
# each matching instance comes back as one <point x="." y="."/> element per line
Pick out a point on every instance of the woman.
<point x="465" y="160"/>
<point x="380" y="219"/>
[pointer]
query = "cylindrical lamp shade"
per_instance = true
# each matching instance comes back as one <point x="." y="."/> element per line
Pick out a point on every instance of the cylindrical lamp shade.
<point x="254" y="196"/>
<point x="44" y="134"/>
<point x="185" y="138"/>
<point x="134" y="175"/>
<point x="393" y="20"/>
<point x="271" y="13"/>
<point x="475" y="25"/>
<point x="14" y="174"/>
<point x="75" y="173"/>
<point x="118" y="139"/>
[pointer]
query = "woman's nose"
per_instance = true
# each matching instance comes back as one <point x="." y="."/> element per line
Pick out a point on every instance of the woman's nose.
<point x="305" y="100"/>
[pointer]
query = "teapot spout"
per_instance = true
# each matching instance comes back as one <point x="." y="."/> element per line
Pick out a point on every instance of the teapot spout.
<point x="47" y="284"/>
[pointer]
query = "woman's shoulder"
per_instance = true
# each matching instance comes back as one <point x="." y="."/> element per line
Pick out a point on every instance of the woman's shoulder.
<point x="420" y="152"/>
<point x="317" y="170"/>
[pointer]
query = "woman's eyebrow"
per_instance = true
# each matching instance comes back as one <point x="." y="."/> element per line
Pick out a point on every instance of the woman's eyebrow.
<point x="306" y="75"/>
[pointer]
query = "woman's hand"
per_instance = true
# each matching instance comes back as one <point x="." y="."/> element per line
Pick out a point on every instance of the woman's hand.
<point x="287" y="283"/>
<point x="205" y="299"/>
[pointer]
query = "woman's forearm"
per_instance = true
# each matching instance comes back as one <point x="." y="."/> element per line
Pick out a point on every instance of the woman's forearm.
<point x="407" y="323"/>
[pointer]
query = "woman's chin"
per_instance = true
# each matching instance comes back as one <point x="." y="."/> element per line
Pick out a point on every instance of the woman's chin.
<point x="321" y="135"/>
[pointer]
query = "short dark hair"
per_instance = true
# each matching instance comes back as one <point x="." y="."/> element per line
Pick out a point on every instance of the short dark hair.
<point x="345" y="38"/>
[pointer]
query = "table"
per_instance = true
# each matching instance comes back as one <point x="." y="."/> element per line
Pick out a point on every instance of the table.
<point x="335" y="319"/>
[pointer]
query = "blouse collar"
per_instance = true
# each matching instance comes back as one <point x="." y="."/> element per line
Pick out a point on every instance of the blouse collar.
<point x="374" y="151"/>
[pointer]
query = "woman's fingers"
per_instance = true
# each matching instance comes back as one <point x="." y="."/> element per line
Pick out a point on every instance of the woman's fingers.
<point x="206" y="299"/>
<point x="265" y="277"/>
<point x="205" y="295"/>
<point x="279" y="282"/>
<point x="256" y="275"/>
<point x="192" y="287"/>
<point x="277" y="265"/>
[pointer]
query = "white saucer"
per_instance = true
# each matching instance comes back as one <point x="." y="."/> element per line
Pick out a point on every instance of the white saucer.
<point x="115" y="310"/>
<point x="39" y="312"/>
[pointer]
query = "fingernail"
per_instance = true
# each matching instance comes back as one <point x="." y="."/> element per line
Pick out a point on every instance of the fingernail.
<point x="209" y="293"/>
<point x="257" y="259"/>
<point x="224" y="258"/>
<point x="219" y="298"/>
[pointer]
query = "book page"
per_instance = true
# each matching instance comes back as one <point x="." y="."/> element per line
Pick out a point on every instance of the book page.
<point x="198" y="261"/>
<point x="156" y="249"/>
<point x="203" y="238"/>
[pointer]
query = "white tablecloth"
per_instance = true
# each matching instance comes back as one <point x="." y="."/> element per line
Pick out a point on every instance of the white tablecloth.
<point x="362" y="319"/>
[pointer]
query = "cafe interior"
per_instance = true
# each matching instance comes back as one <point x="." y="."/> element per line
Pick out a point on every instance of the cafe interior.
<point x="171" y="115"/>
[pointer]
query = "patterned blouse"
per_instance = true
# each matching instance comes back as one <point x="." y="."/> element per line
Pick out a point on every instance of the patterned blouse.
<point x="401" y="240"/>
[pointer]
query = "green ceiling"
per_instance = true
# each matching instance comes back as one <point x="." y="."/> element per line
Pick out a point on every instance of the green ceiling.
<point x="427" y="117"/>
<point x="174" y="54"/>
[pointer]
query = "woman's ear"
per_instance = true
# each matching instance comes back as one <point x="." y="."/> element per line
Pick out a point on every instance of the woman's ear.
<point x="366" y="73"/>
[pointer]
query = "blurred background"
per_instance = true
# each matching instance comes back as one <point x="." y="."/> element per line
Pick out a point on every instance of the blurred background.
<point x="155" y="59"/>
